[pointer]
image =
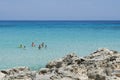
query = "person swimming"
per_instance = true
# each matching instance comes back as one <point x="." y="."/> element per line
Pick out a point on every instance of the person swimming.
<point x="24" y="47"/>
<point x="20" y="46"/>
<point x="40" y="46"/>
<point x="45" y="46"/>
<point x="33" y="44"/>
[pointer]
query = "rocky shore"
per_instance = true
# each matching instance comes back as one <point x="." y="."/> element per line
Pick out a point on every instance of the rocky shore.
<point x="103" y="64"/>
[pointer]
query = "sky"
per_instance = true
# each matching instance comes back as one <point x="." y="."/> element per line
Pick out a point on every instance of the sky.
<point x="59" y="9"/>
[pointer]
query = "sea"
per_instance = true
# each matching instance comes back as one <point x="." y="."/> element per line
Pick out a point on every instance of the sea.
<point x="60" y="37"/>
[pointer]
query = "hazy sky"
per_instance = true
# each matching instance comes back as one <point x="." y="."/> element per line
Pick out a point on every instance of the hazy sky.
<point x="59" y="9"/>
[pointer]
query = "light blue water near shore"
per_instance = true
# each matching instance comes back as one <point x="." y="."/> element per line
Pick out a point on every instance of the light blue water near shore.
<point x="61" y="37"/>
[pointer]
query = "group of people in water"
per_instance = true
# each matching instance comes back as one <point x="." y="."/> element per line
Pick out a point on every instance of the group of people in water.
<point x="40" y="46"/>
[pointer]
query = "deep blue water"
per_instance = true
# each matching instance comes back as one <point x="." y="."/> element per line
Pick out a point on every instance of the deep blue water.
<point x="61" y="37"/>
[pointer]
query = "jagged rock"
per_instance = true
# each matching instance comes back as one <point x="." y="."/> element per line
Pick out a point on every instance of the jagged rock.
<point x="43" y="70"/>
<point x="103" y="64"/>
<point x="20" y="73"/>
<point x="53" y="64"/>
<point x="116" y="73"/>
<point x="2" y="75"/>
<point x="100" y="77"/>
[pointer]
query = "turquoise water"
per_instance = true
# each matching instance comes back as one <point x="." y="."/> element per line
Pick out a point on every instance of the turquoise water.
<point x="61" y="37"/>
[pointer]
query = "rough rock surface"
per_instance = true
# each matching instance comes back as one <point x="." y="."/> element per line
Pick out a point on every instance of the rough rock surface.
<point x="103" y="64"/>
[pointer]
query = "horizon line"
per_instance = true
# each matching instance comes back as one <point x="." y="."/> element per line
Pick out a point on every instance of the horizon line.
<point x="59" y="20"/>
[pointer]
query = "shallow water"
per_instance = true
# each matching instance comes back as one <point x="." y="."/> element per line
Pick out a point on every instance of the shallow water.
<point x="61" y="37"/>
